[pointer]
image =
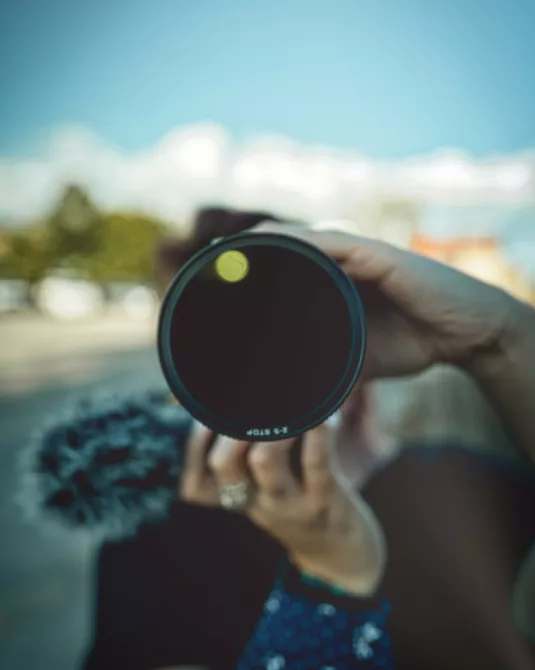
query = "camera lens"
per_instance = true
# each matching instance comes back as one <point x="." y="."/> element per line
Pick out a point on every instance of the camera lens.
<point x="261" y="336"/>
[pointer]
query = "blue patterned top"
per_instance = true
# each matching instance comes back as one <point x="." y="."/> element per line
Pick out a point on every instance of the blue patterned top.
<point x="299" y="631"/>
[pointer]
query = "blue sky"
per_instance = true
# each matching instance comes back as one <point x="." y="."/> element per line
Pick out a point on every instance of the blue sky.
<point x="389" y="78"/>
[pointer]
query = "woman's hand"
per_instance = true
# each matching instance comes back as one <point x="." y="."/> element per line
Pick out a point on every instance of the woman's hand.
<point x="419" y="312"/>
<point x="328" y="531"/>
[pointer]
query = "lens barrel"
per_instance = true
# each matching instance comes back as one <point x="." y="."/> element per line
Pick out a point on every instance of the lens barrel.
<point x="261" y="336"/>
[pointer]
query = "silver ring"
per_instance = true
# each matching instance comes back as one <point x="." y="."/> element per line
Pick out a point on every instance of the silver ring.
<point x="235" y="496"/>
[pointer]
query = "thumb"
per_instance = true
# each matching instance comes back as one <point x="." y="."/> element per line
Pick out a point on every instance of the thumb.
<point x="362" y="258"/>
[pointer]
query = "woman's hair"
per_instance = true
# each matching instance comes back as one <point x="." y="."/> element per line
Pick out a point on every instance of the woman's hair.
<point x="209" y="223"/>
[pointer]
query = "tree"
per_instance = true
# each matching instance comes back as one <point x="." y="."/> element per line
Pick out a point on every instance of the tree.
<point x="75" y="225"/>
<point x="126" y="250"/>
<point x="27" y="256"/>
<point x="76" y="236"/>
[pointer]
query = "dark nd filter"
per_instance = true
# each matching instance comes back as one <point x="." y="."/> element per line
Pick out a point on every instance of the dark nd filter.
<point x="261" y="336"/>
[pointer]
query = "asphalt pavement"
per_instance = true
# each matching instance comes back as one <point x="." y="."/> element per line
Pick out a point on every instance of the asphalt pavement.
<point x="45" y="579"/>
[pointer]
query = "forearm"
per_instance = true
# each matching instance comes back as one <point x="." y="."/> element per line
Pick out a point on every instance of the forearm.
<point x="507" y="377"/>
<point x="357" y="565"/>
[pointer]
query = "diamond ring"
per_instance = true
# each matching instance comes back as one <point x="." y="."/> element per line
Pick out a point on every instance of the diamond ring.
<point x="235" y="496"/>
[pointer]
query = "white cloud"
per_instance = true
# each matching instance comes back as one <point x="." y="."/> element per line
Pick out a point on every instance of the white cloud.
<point x="199" y="164"/>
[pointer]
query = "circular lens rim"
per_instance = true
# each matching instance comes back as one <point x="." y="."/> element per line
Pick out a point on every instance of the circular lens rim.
<point x="331" y="403"/>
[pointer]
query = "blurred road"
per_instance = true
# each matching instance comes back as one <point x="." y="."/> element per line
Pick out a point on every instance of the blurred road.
<point x="45" y="586"/>
<point x="34" y="349"/>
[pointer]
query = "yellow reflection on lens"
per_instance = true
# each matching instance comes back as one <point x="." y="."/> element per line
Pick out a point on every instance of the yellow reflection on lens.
<point x="232" y="266"/>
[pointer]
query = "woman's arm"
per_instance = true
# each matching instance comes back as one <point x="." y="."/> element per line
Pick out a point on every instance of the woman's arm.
<point x="421" y="313"/>
<point x="507" y="377"/>
<point x="324" y="612"/>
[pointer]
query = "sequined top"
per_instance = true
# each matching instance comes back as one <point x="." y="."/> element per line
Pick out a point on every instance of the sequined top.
<point x="304" y="628"/>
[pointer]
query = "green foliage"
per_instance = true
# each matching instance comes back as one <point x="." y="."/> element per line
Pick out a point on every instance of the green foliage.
<point x="27" y="255"/>
<point x="126" y="249"/>
<point x="78" y="237"/>
<point x="75" y="225"/>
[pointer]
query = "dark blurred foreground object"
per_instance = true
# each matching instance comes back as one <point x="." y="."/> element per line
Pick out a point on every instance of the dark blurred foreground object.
<point x="107" y="464"/>
<point x="458" y="527"/>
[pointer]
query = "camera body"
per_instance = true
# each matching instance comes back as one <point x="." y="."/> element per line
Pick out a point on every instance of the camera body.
<point x="261" y="336"/>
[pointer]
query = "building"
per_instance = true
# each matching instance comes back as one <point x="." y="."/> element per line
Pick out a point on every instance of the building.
<point x="480" y="257"/>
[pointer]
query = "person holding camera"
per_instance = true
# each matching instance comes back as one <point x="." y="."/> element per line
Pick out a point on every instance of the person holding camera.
<point x="334" y="552"/>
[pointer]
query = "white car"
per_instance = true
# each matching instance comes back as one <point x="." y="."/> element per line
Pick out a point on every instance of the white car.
<point x="69" y="299"/>
<point x="140" y="303"/>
